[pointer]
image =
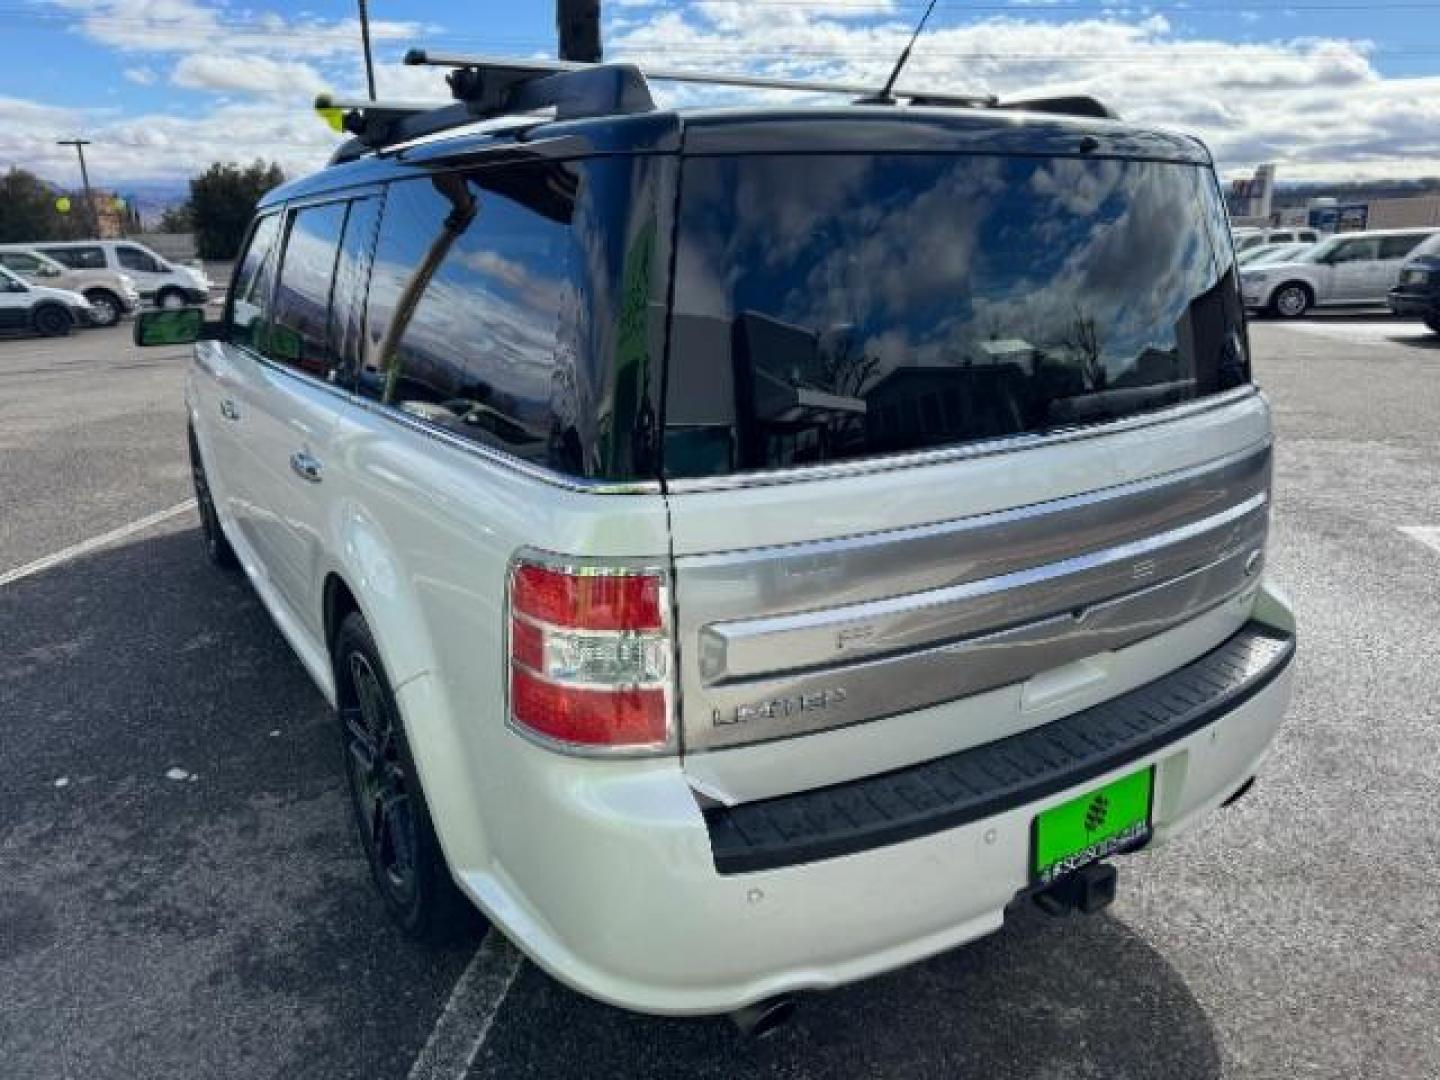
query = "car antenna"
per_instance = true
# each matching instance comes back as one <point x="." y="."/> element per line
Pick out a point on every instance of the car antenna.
<point x="885" y="97"/>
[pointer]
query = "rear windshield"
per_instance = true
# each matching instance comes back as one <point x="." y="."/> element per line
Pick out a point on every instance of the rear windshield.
<point x="829" y="307"/>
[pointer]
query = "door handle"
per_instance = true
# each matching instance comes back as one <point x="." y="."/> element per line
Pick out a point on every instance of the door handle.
<point x="228" y="409"/>
<point x="305" y="466"/>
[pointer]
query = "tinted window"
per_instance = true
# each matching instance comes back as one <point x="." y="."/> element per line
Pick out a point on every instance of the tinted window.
<point x="520" y="306"/>
<point x="841" y="306"/>
<point x="1355" y="251"/>
<point x="1429" y="247"/>
<point x="1280" y="238"/>
<point x="1397" y="247"/>
<point x="132" y="258"/>
<point x="19" y="262"/>
<point x="78" y="258"/>
<point x="250" y="286"/>
<point x="352" y="275"/>
<point x="300" y="319"/>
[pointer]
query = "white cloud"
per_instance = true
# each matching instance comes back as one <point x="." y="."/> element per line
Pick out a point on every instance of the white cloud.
<point x="183" y="26"/>
<point x="247" y="74"/>
<point x="142" y="76"/>
<point x="1316" y="106"/>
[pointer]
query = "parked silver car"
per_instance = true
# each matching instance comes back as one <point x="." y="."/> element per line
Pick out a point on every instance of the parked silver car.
<point x="112" y="295"/>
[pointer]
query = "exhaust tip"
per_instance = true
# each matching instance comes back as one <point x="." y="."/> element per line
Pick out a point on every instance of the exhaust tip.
<point x="764" y="1018"/>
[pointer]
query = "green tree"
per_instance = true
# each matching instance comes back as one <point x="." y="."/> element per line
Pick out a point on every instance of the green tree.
<point x="28" y="212"/>
<point x="222" y="201"/>
<point x="177" y="219"/>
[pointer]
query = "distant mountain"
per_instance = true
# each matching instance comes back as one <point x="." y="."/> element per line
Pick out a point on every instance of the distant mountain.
<point x="1300" y="193"/>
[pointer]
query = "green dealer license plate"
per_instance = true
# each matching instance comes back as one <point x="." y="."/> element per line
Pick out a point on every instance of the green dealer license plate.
<point x="1093" y="826"/>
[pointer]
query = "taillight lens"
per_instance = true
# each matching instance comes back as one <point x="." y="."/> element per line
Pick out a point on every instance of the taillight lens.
<point x="590" y="655"/>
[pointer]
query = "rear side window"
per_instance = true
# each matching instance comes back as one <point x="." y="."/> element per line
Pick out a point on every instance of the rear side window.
<point x="1364" y="250"/>
<point x="1397" y="247"/>
<point x="300" y="321"/>
<point x="133" y="258"/>
<point x="522" y="307"/>
<point x="836" y="307"/>
<point x="249" y="304"/>
<point x="78" y="258"/>
<point x="1280" y="238"/>
<point x="19" y="262"/>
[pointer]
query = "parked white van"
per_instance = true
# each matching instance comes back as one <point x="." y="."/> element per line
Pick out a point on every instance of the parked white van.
<point x="1349" y="268"/>
<point x="751" y="550"/>
<point x="159" y="281"/>
<point x="111" y="295"/>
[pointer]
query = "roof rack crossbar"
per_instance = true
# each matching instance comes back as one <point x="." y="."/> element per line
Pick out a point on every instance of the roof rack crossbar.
<point x="487" y="87"/>
<point x="503" y="88"/>
<point x="426" y="58"/>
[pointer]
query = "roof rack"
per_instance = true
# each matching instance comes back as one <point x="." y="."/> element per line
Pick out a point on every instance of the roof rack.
<point x="486" y="87"/>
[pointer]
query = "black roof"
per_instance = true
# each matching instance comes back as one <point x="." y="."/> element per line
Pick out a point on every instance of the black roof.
<point x="843" y="129"/>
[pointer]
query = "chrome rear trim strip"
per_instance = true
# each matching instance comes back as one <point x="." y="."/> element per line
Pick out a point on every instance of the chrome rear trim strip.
<point x="755" y="647"/>
<point x="797" y="704"/>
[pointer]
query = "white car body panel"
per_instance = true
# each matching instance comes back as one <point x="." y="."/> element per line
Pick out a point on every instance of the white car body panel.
<point x="601" y="869"/>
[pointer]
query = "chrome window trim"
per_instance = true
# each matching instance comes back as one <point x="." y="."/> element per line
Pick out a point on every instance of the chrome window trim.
<point x="986" y="448"/>
<point x="859" y="467"/>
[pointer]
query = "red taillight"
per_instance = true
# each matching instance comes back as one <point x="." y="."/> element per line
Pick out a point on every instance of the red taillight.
<point x="589" y="655"/>
<point x="590" y="601"/>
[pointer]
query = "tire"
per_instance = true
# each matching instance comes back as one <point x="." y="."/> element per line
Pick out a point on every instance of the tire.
<point x="390" y="811"/>
<point x="217" y="548"/>
<point x="170" y="299"/>
<point x="107" y="306"/>
<point x="52" y="320"/>
<point x="1291" y="300"/>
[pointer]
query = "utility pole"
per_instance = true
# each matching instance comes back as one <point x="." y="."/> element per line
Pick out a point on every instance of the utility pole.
<point x="365" y="41"/>
<point x="577" y="23"/>
<point x="90" y="213"/>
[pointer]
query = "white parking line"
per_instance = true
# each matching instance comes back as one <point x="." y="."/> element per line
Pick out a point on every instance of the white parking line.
<point x="464" y="1024"/>
<point x="74" y="551"/>
<point x="1429" y="535"/>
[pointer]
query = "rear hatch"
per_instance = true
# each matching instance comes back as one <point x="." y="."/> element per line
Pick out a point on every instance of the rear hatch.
<point x="944" y="431"/>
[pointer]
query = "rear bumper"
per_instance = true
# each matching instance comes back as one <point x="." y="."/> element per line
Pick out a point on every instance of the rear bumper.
<point x="618" y="889"/>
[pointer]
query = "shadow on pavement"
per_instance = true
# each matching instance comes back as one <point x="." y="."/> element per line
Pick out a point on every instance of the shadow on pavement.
<point x="151" y="927"/>
<point x="1064" y="998"/>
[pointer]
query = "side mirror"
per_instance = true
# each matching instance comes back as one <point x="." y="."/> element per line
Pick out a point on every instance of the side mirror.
<point x="174" y="326"/>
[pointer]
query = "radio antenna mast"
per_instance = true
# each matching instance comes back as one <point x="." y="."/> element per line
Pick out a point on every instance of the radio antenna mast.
<point x="884" y="97"/>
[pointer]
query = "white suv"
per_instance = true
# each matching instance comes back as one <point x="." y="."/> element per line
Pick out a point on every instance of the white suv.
<point x="1351" y="268"/>
<point x="748" y="552"/>
<point x="51" y="312"/>
<point x="159" y="281"/>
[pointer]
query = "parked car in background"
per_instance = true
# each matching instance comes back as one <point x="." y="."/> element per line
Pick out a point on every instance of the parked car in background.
<point x="112" y="295"/>
<point x="1417" y="291"/>
<point x="158" y="280"/>
<point x="39" y="308"/>
<point x="1270" y="253"/>
<point x="749" y="550"/>
<point x="1249" y="238"/>
<point x="1350" y="268"/>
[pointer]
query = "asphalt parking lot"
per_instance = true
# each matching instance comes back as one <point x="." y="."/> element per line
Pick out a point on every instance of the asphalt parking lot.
<point x="181" y="896"/>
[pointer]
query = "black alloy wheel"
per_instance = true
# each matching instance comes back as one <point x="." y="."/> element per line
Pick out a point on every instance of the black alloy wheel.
<point x="53" y="321"/>
<point x="389" y="807"/>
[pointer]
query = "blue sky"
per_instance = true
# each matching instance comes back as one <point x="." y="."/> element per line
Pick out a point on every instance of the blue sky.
<point x="1331" y="89"/>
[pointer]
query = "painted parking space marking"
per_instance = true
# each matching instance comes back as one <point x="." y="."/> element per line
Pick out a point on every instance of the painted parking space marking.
<point x="95" y="543"/>
<point x="464" y="1024"/>
<point x="1429" y="535"/>
<point x="1365" y="331"/>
